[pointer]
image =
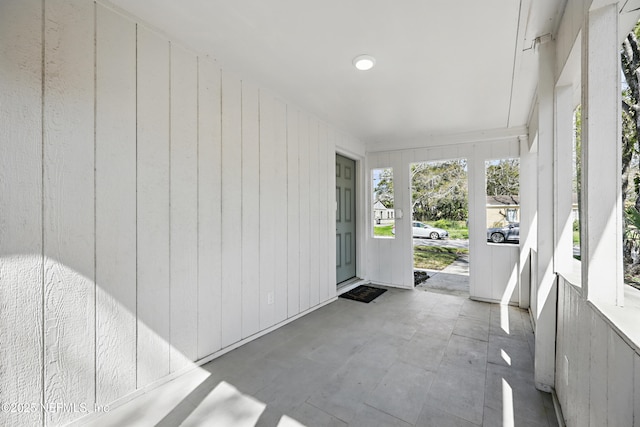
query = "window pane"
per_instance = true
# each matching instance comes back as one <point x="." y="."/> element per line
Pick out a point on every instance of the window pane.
<point x="383" y="209"/>
<point x="503" y="201"/>
<point x="577" y="168"/>
<point x="630" y="162"/>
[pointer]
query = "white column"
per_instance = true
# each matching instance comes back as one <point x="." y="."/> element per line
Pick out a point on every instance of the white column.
<point x="602" y="273"/>
<point x="545" y="312"/>
<point x="528" y="215"/>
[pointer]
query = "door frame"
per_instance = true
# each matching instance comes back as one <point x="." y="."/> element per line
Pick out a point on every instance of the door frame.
<point x="360" y="212"/>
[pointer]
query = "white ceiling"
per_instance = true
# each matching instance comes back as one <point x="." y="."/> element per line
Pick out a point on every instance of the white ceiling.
<point x="443" y="66"/>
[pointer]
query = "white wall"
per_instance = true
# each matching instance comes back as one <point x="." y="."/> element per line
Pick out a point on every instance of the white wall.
<point x="152" y="207"/>
<point x="593" y="351"/>
<point x="597" y="368"/>
<point x="493" y="268"/>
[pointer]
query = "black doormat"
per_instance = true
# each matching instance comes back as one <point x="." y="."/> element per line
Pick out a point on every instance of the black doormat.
<point x="363" y="293"/>
<point x="419" y="277"/>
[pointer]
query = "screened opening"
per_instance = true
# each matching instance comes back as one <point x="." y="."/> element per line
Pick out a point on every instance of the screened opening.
<point x="576" y="196"/>
<point x="383" y="210"/>
<point x="503" y="201"/>
<point x="630" y="58"/>
<point x="439" y="224"/>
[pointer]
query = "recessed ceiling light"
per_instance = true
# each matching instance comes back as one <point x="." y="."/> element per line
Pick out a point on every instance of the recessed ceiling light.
<point x="364" y="62"/>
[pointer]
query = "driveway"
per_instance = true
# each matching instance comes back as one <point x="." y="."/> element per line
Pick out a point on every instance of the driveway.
<point x="446" y="243"/>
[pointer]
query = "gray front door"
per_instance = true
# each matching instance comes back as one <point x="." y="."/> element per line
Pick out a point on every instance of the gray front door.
<point x="345" y="218"/>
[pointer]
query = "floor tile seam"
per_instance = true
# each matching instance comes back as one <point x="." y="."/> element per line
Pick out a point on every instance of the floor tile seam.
<point x="511" y="350"/>
<point x="325" y="412"/>
<point x="472" y="317"/>
<point x="415" y="365"/>
<point x="497" y="331"/>
<point x="373" y="387"/>
<point x="473" y="338"/>
<point x="529" y="421"/>
<point x="484" y="388"/>
<point x="391" y="415"/>
<point x="444" y="410"/>
<point x="532" y="418"/>
<point x="519" y="339"/>
<point x="513" y="368"/>
<point x="478" y="368"/>
<point x="258" y="390"/>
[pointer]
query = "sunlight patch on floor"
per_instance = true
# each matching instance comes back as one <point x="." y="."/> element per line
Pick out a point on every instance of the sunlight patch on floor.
<point x="508" y="419"/>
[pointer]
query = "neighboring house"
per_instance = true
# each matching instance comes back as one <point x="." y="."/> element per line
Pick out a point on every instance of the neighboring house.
<point x="381" y="212"/>
<point x="505" y="209"/>
<point x="502" y="210"/>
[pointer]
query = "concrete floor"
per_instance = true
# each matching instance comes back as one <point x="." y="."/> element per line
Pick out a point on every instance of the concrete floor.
<point x="409" y="358"/>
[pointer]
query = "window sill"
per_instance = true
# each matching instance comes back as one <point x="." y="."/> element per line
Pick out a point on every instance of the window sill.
<point x="572" y="273"/>
<point x="624" y="320"/>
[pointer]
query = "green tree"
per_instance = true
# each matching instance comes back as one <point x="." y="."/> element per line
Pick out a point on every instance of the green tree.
<point x="630" y="64"/>
<point x="383" y="186"/>
<point x="440" y="190"/>
<point x="577" y="151"/>
<point x="503" y="178"/>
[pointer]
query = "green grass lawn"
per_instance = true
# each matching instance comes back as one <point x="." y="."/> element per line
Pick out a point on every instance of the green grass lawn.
<point x="383" y="230"/>
<point x="456" y="229"/>
<point x="435" y="257"/>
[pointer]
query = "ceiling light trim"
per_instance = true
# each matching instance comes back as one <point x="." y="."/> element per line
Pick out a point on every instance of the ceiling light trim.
<point x="364" y="62"/>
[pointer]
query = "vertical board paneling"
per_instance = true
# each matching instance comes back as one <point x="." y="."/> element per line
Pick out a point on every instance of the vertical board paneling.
<point x="373" y="245"/>
<point x="598" y="383"/>
<point x="293" y="207"/>
<point x="570" y="331"/>
<point x="400" y="179"/>
<point x="250" y="210"/>
<point x="619" y="381"/>
<point x="561" y="372"/>
<point x="582" y="350"/>
<point x="153" y="299"/>
<point x="636" y="390"/>
<point x="268" y="210"/>
<point x="575" y="364"/>
<point x="478" y="253"/>
<point x="115" y="206"/>
<point x="231" y="209"/>
<point x="69" y="226"/>
<point x="209" y="208"/>
<point x="384" y="254"/>
<point x="280" y="218"/>
<point x="121" y="188"/>
<point x="314" y="218"/>
<point x="21" y="208"/>
<point x="305" y="215"/>
<point x="184" y="207"/>
<point x="408" y="157"/>
<point x="324" y="233"/>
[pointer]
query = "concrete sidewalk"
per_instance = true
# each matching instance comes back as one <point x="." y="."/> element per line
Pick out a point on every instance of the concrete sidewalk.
<point x="454" y="279"/>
